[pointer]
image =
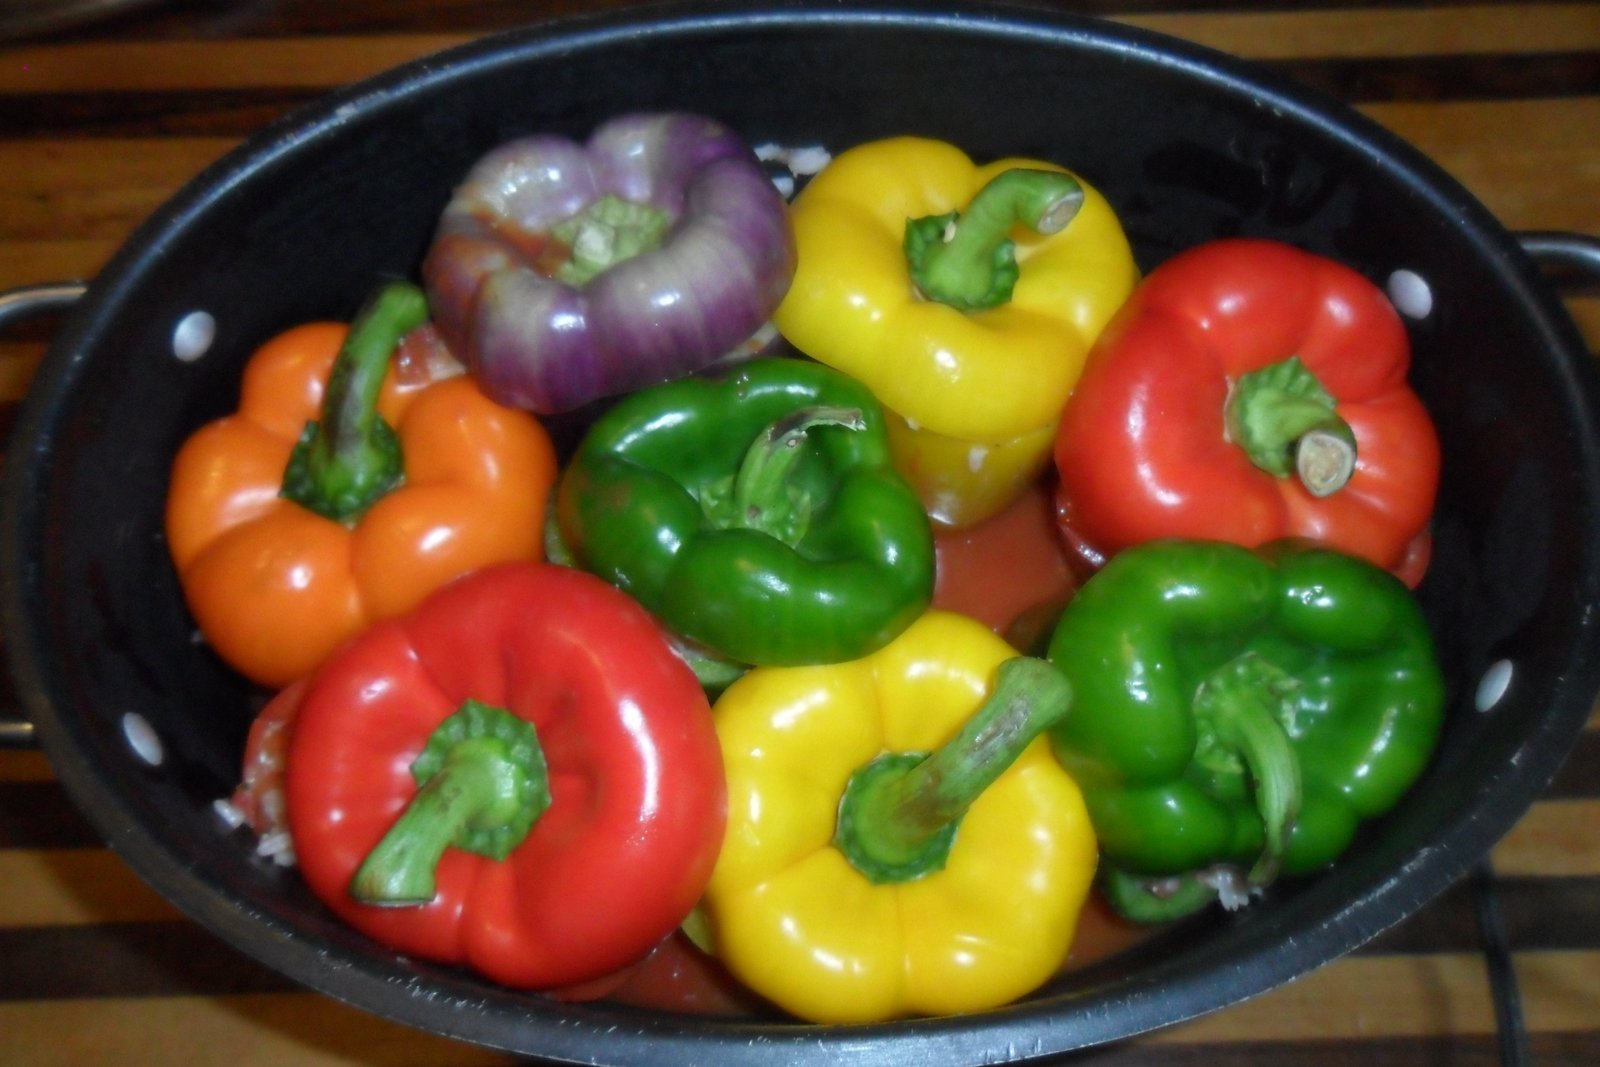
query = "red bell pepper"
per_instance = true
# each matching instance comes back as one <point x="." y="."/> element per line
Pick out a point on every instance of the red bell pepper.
<point x="520" y="776"/>
<point x="1249" y="391"/>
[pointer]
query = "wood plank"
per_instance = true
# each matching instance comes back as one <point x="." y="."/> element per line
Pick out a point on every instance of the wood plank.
<point x="1534" y="163"/>
<point x="132" y="959"/>
<point x="1356" y="999"/>
<point x="45" y="887"/>
<point x="1578" y="777"/>
<point x="40" y="815"/>
<point x="1558" y="990"/>
<point x="18" y="362"/>
<point x="326" y="62"/>
<point x="1555" y="838"/>
<point x="39" y="168"/>
<point x="1540" y="172"/>
<point x="25" y="765"/>
<point x="272" y="1030"/>
<point x="1359" y="997"/>
<point x="1390" y="32"/>
<point x="93" y="188"/>
<point x="68" y="259"/>
<point x="1586" y="314"/>
<point x="152" y="66"/>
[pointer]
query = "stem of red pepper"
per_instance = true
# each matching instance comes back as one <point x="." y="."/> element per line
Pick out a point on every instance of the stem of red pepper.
<point x="759" y="496"/>
<point x="1239" y="711"/>
<point x="899" y="814"/>
<point x="346" y="461"/>
<point x="1286" y="421"/>
<point x="969" y="261"/>
<point x="482" y="782"/>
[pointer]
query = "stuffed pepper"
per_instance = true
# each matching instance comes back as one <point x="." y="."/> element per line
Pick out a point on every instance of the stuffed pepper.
<point x="520" y="777"/>
<point x="1251" y="391"/>
<point x="966" y="297"/>
<point x="1239" y="714"/>
<point x="347" y="486"/>
<point x="564" y="272"/>
<point x="757" y="514"/>
<point x="900" y="840"/>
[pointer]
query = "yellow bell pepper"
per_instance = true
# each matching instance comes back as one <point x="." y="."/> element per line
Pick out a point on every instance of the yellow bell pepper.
<point x="965" y="297"/>
<point x="900" y="840"/>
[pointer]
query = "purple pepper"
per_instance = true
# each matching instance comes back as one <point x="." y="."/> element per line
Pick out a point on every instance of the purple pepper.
<point x="505" y="276"/>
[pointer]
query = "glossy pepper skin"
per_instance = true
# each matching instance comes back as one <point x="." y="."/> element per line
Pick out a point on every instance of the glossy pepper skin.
<point x="274" y="585"/>
<point x="1238" y="707"/>
<point x="564" y="272"/>
<point x="756" y="514"/>
<point x="531" y="892"/>
<point x="831" y="936"/>
<point x="1152" y="443"/>
<point x="973" y="392"/>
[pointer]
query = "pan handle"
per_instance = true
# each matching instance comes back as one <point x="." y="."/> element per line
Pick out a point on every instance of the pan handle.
<point x="15" y="306"/>
<point x="1571" y="259"/>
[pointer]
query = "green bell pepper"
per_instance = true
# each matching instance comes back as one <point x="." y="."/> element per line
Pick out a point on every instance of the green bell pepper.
<point x="1237" y="709"/>
<point x="754" y="514"/>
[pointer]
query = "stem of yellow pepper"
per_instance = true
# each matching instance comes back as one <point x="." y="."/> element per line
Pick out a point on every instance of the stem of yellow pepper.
<point x="968" y="260"/>
<point x="899" y="814"/>
<point x="348" y="459"/>
<point x="482" y="784"/>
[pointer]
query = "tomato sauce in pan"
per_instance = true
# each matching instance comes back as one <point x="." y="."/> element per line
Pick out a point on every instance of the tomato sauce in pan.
<point x="1011" y="574"/>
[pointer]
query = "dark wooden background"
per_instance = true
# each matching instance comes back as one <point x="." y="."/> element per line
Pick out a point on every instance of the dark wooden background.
<point x="101" y="120"/>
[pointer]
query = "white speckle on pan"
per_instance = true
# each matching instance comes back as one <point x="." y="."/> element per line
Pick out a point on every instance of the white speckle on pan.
<point x="277" y="846"/>
<point x="804" y="160"/>
<point x="1411" y="294"/>
<point x="1493" y="685"/>
<point x="143" y="739"/>
<point x="809" y="159"/>
<point x="229" y="813"/>
<point x="193" y="335"/>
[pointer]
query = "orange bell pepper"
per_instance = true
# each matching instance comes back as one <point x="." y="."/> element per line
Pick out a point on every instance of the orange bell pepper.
<point x="275" y="585"/>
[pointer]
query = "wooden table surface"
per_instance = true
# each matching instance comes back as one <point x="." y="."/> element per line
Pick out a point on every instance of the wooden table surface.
<point x="102" y="119"/>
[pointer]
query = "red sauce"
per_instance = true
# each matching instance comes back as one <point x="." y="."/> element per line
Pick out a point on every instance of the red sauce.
<point x="1011" y="574"/>
<point x="1007" y="572"/>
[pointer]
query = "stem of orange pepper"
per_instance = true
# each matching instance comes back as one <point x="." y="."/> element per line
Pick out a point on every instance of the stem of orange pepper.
<point x="347" y="460"/>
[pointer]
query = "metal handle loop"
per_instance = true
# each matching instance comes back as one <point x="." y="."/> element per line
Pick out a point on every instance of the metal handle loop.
<point x="1571" y="259"/>
<point x="15" y="306"/>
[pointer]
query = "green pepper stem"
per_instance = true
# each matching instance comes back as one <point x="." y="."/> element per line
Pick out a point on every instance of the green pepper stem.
<point x="482" y="782"/>
<point x="346" y="461"/>
<point x="1286" y="421"/>
<point x="968" y="261"/>
<point x="1239" y="711"/>
<point x="760" y="496"/>
<point x="1154" y="900"/>
<point x="899" y="814"/>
